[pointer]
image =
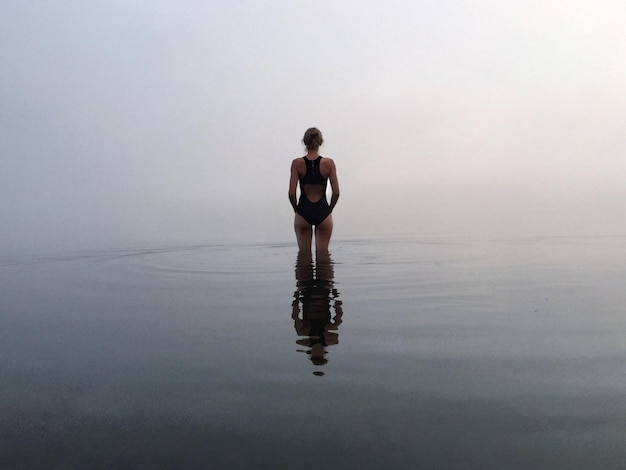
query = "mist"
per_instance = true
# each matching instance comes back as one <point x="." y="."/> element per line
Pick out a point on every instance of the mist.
<point x="159" y="123"/>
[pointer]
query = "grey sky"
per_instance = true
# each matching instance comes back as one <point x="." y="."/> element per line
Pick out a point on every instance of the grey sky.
<point x="175" y="122"/>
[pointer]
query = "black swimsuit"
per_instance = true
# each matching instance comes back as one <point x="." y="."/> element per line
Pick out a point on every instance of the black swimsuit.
<point x="313" y="212"/>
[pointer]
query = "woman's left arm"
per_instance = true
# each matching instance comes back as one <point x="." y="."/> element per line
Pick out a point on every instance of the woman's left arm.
<point x="293" y="184"/>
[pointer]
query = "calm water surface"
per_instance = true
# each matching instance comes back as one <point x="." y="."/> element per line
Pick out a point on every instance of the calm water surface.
<point x="390" y="353"/>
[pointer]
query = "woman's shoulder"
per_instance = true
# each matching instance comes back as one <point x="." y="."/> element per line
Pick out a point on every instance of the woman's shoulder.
<point x="298" y="165"/>
<point x="327" y="161"/>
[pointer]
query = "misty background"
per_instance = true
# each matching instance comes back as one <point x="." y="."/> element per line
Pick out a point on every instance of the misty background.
<point x="149" y="123"/>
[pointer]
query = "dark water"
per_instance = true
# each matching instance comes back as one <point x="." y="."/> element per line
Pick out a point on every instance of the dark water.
<point x="396" y="353"/>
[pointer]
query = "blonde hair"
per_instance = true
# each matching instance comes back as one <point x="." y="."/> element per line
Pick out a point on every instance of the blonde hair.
<point x="312" y="138"/>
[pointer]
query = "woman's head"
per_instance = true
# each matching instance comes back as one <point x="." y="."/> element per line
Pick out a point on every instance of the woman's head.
<point x="312" y="138"/>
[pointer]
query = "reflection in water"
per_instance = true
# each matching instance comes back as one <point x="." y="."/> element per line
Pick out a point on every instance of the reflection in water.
<point x="319" y="317"/>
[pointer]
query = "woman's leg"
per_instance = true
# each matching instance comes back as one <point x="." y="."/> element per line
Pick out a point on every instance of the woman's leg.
<point x="304" y="233"/>
<point x="323" y="232"/>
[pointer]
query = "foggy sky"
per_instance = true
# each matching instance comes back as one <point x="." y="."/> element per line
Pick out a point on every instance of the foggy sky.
<point x="162" y="122"/>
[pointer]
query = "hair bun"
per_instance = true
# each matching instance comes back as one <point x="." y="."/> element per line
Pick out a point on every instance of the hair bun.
<point x="313" y="138"/>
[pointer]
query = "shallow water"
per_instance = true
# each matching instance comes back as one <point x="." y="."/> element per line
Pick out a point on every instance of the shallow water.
<point x="392" y="353"/>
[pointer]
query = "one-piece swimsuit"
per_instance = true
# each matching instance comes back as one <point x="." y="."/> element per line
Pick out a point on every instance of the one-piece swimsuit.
<point x="313" y="212"/>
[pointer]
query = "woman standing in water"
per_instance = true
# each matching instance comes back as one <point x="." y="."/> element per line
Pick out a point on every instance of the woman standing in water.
<point x="312" y="210"/>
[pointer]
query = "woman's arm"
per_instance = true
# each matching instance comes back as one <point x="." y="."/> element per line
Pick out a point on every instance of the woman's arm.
<point x="334" y="184"/>
<point x="293" y="184"/>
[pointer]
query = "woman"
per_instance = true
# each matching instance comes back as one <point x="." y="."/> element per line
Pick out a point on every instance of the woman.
<point x="312" y="210"/>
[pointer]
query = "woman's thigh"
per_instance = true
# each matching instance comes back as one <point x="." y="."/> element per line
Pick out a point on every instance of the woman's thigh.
<point x="304" y="232"/>
<point x="323" y="232"/>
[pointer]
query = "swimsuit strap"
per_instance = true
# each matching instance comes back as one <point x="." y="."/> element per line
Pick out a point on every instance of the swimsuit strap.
<point x="313" y="175"/>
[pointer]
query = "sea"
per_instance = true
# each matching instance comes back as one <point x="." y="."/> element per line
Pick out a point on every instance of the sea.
<point x="413" y="352"/>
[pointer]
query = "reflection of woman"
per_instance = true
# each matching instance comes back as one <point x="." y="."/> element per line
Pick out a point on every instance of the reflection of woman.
<point x="316" y="293"/>
<point x="312" y="210"/>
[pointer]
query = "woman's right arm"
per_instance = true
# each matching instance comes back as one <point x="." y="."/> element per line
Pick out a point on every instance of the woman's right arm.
<point x="334" y="184"/>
